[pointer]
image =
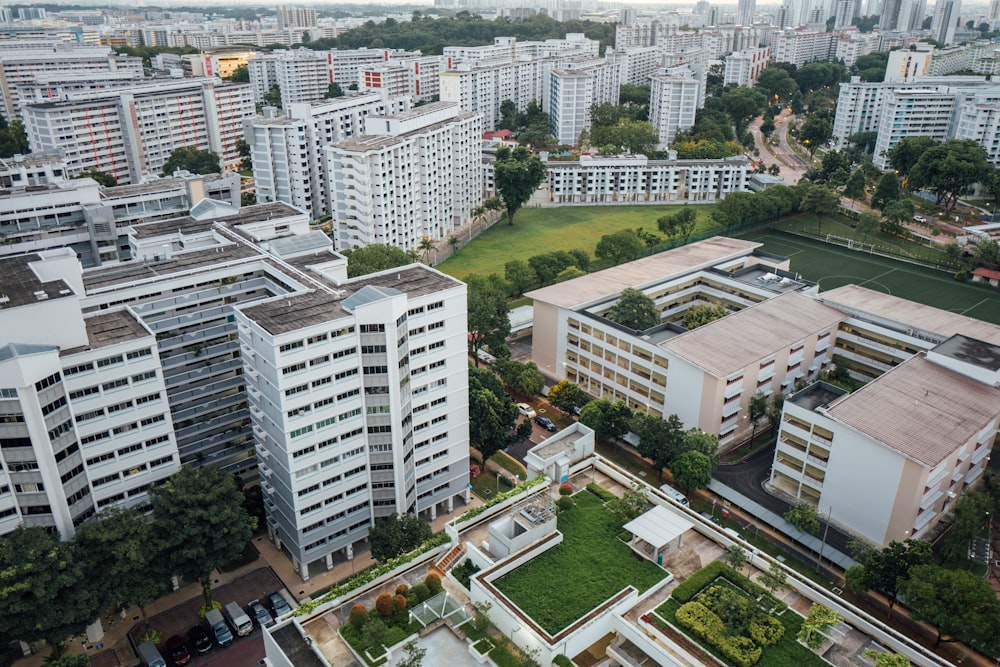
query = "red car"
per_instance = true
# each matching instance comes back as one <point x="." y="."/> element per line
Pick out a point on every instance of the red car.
<point x="178" y="650"/>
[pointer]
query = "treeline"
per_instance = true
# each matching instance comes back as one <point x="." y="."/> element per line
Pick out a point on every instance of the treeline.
<point x="430" y="35"/>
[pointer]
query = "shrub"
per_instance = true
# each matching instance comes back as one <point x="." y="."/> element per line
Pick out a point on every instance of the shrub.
<point x="383" y="605"/>
<point x="741" y="650"/>
<point x="403" y="590"/>
<point x="564" y="503"/>
<point x="433" y="583"/>
<point x="464" y="571"/>
<point x="395" y="635"/>
<point x="422" y="592"/>
<point x="733" y="608"/>
<point x="358" y="616"/>
<point x="601" y="492"/>
<point x="565" y="489"/>
<point x="399" y="602"/>
<point x="562" y="661"/>
<point x="686" y="591"/>
<point x="766" y="631"/>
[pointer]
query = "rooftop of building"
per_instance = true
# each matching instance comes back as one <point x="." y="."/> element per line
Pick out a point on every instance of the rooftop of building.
<point x="647" y="271"/>
<point x="910" y="313"/>
<point x="732" y="343"/>
<point x="378" y="142"/>
<point x="423" y="110"/>
<point x="298" y="650"/>
<point x="21" y="285"/>
<point x="815" y="396"/>
<point x="920" y="409"/>
<point x="189" y="225"/>
<point x="971" y="351"/>
<point x="111" y="276"/>
<point x="158" y="185"/>
<point x="110" y="328"/>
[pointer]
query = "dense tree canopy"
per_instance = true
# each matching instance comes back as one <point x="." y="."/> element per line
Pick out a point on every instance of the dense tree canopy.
<point x="679" y="225"/>
<point x="634" y="310"/>
<point x="630" y="136"/>
<point x="609" y="419"/>
<point x="701" y="314"/>
<point x="489" y="322"/>
<point x="621" y="246"/>
<point x="887" y="569"/>
<point x="906" y="153"/>
<point x="492" y="413"/>
<point x="887" y="190"/>
<point x="396" y="534"/>
<point x="568" y="397"/>
<point x="692" y="470"/>
<point x="660" y="440"/>
<point x="193" y="160"/>
<point x="950" y="168"/>
<point x="962" y="606"/>
<point x="374" y="258"/>
<point x="742" y="104"/>
<point x="777" y="82"/>
<point x="517" y="174"/>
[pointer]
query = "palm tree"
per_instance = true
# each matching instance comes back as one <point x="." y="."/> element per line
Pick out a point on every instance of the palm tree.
<point x="426" y="245"/>
<point x="453" y="243"/>
<point x="413" y="254"/>
<point x="477" y="213"/>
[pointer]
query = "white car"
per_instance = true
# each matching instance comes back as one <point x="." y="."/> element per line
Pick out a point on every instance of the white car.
<point x="526" y="410"/>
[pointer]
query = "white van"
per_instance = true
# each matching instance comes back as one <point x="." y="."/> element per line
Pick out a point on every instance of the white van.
<point x="238" y="619"/>
<point x="673" y="493"/>
<point x="150" y="655"/>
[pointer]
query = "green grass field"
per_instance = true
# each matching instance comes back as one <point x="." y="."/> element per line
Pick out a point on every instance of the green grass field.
<point x="540" y="230"/>
<point x="833" y="266"/>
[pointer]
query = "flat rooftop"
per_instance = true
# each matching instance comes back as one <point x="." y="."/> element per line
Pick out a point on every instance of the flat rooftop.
<point x="735" y="341"/>
<point x="109" y="328"/>
<point x="128" y="272"/>
<point x="647" y="271"/>
<point x="816" y="395"/>
<point x="920" y="409"/>
<point x="294" y="645"/>
<point x="910" y="313"/>
<point x="21" y="286"/>
<point x="554" y="447"/>
<point x="189" y="225"/>
<point x="971" y="351"/>
<point x="377" y="141"/>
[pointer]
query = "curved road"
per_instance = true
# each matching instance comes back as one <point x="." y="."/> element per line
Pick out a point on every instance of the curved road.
<point x="792" y="165"/>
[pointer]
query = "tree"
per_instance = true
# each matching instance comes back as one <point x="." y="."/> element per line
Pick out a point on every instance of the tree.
<point x="13" y="139"/>
<point x="776" y="82"/>
<point x="413" y="656"/>
<point x="887" y="569"/>
<point x="950" y="168"/>
<point x="736" y="557"/>
<point x="796" y="102"/>
<point x="660" y="440"/>
<point x="680" y="225"/>
<point x="199" y="514"/>
<point x="819" y="201"/>
<point x="867" y="224"/>
<point x="273" y="97"/>
<point x="567" y="397"/>
<point x="193" y="160"/>
<point x="742" y="104"/>
<point x="803" y="516"/>
<point x="45" y="594"/>
<point x="696" y="440"/>
<point x="517" y="174"/>
<point x="692" y="470"/>
<point x="397" y="534"/>
<point x="774" y="410"/>
<point x="864" y="141"/>
<point x="880" y="659"/>
<point x="569" y="273"/>
<point x="637" y="137"/>
<point x="374" y="258"/>
<point x="608" y="419"/>
<point x="702" y="313"/>
<point x="634" y="310"/>
<point x="520" y="275"/>
<point x="775" y="578"/>
<point x="815" y="132"/>
<point x="855" y="187"/>
<point x="887" y="190"/>
<point x="632" y="503"/>
<point x="489" y="320"/>
<point x="896" y="213"/>
<point x="519" y="376"/>
<point x="819" y="619"/>
<point x="492" y="413"/>
<point x="120" y="553"/>
<point x="968" y="517"/>
<point x="453" y="243"/>
<point x="240" y="75"/>
<point x="960" y="605"/>
<point x="907" y="152"/>
<point x="426" y="246"/>
<point x="333" y="90"/>
<point x="102" y="177"/>
<point x="246" y="157"/>
<point x="620" y="246"/>
<point x="756" y="410"/>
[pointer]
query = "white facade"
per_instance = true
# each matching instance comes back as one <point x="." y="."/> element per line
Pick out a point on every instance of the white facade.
<point x="921" y="113"/>
<point x="574" y="90"/>
<point x="131" y="133"/>
<point x="946" y="16"/>
<point x="905" y="65"/>
<point x="359" y="406"/>
<point x="412" y="175"/>
<point x="743" y="67"/>
<point x="802" y="46"/>
<point x="673" y="104"/>
<point x="637" y="63"/>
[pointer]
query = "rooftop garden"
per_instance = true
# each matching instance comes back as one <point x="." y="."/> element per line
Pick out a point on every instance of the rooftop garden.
<point x="577" y="576"/>
<point x="736" y="620"/>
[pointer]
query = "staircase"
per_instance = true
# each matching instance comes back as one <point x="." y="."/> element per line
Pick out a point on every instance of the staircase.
<point x="450" y="558"/>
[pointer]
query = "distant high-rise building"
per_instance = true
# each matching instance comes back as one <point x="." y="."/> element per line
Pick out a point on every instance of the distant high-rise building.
<point x="946" y="14"/>
<point x="745" y="11"/>
<point x="296" y="17"/>
<point x="911" y="15"/>
<point x="843" y="14"/>
<point x="889" y="18"/>
<point x="994" y="12"/>
<point x="701" y="9"/>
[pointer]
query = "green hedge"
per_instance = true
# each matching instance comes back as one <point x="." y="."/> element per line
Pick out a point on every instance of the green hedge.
<point x="479" y="509"/>
<point x="766" y="631"/>
<point x="562" y="661"/>
<point x="601" y="492"/>
<point x="686" y="591"/>
<point x="707" y="626"/>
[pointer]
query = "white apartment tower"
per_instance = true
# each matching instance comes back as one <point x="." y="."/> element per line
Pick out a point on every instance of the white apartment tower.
<point x="745" y="12"/>
<point x="301" y="75"/>
<point x="574" y="90"/>
<point x="84" y="419"/>
<point x="130" y="133"/>
<point x="359" y="400"/>
<point x="946" y="15"/>
<point x="673" y="103"/>
<point x="743" y="67"/>
<point x="412" y="175"/>
<point x="296" y="17"/>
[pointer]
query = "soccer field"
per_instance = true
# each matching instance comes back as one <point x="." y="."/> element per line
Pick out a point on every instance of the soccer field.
<point x="834" y="266"/>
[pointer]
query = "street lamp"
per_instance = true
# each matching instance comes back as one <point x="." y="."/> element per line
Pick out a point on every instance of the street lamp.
<point x="498" y="483"/>
<point x="822" y="545"/>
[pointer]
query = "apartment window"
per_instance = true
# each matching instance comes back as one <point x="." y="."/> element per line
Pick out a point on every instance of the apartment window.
<point x="139" y="354"/>
<point x="288" y="347"/>
<point x="110" y="361"/>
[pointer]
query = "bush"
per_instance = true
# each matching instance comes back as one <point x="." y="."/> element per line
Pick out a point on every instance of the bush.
<point x="565" y="489"/>
<point x="399" y="602"/>
<point x="701" y="621"/>
<point x="735" y="609"/>
<point x="433" y="583"/>
<point x="464" y="571"/>
<point x="395" y="635"/>
<point x="601" y="492"/>
<point x="403" y="590"/>
<point x="383" y="605"/>
<point x="358" y="616"/>
<point x="686" y="591"/>
<point x="564" y="503"/>
<point x="741" y="650"/>
<point x="422" y="592"/>
<point x="562" y="661"/>
<point x="766" y="631"/>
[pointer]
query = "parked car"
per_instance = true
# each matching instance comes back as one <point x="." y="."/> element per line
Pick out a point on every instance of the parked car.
<point x="526" y="410"/>
<point x="223" y="634"/>
<point x="920" y="218"/>
<point x="178" y="650"/>
<point x="279" y="607"/>
<point x="200" y="641"/>
<point x="546" y="423"/>
<point x="260" y="614"/>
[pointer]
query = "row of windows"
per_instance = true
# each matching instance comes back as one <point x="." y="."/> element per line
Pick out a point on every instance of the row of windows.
<point x="111" y="386"/>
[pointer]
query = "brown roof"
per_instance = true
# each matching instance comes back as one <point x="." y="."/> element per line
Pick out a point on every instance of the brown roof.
<point x="911" y="313"/>
<point x="920" y="409"/>
<point x="734" y="342"/>
<point x="608" y="283"/>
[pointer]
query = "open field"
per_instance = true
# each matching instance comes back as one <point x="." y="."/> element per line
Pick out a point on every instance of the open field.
<point x="834" y="266"/>
<point x="540" y="230"/>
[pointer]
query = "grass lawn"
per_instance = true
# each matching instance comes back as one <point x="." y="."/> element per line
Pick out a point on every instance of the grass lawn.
<point x="587" y="568"/>
<point x="833" y="266"/>
<point x="485" y="486"/>
<point x="540" y="230"/>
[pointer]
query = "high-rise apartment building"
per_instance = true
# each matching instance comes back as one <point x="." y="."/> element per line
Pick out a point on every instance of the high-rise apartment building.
<point x="946" y="16"/>
<point x="575" y="88"/>
<point x="411" y="175"/>
<point x="289" y="164"/>
<point x="84" y="419"/>
<point x="637" y="63"/>
<point x="296" y="17"/>
<point x="745" y="12"/>
<point x="802" y="46"/>
<point x="743" y="67"/>
<point x="130" y="133"/>
<point x="673" y="103"/>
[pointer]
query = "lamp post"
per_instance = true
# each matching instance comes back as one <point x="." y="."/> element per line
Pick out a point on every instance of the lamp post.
<point x="498" y="483"/>
<point x="822" y="545"/>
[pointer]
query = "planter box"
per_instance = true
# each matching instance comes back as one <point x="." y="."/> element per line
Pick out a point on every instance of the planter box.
<point x="484" y="655"/>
